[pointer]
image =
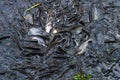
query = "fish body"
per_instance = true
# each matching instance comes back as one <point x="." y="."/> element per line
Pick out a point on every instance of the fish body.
<point x="82" y="48"/>
<point x="34" y="32"/>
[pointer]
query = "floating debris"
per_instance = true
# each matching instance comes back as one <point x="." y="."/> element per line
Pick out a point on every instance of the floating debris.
<point x="85" y="18"/>
<point x="29" y="18"/>
<point x="76" y="42"/>
<point x="31" y="47"/>
<point x="40" y="40"/>
<point x="36" y="5"/>
<point x="42" y="45"/>
<point x="4" y="37"/>
<point x="54" y="31"/>
<point x="35" y="31"/>
<point x="96" y="12"/>
<point x="117" y="36"/>
<point x="78" y="30"/>
<point x="82" y="48"/>
<point x="48" y="27"/>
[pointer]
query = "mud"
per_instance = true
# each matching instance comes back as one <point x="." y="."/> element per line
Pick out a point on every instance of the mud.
<point x="28" y="51"/>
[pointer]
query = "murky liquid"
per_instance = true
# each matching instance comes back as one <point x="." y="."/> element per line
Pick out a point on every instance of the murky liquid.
<point x="30" y="51"/>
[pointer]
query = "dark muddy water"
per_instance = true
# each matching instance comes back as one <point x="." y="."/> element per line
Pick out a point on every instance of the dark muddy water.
<point x="57" y="39"/>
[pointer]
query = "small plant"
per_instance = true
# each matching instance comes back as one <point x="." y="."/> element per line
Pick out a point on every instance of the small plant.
<point x="80" y="76"/>
<point x="28" y="9"/>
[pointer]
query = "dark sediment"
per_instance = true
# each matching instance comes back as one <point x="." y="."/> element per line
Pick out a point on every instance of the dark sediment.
<point x="48" y="56"/>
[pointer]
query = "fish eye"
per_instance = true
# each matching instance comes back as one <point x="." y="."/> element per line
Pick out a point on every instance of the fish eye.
<point x="90" y="41"/>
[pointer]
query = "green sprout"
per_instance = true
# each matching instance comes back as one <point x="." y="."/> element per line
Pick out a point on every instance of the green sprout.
<point x="80" y="76"/>
<point x="28" y="9"/>
<point x="32" y="7"/>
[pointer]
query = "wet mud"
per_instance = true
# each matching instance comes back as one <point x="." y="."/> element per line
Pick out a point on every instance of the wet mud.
<point x="56" y="39"/>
